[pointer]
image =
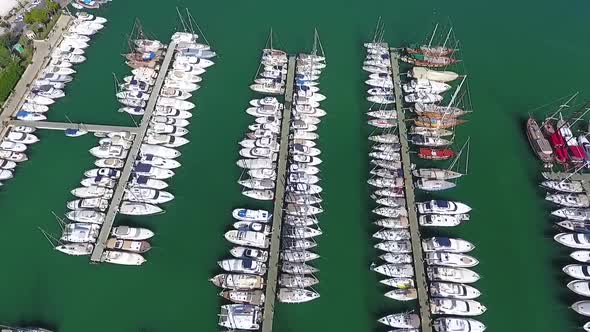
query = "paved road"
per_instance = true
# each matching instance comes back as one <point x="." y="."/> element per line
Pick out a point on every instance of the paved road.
<point x="40" y="58"/>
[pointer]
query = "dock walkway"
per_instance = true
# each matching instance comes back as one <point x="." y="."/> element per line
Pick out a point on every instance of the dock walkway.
<point x="421" y="283"/>
<point x="273" y="266"/>
<point x="93" y="128"/>
<point x="105" y="231"/>
<point x="41" y="58"/>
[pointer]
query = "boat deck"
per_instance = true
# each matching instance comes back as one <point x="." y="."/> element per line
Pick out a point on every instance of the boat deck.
<point x="275" y="243"/>
<point x="559" y="176"/>
<point x="105" y="231"/>
<point x="40" y="59"/>
<point x="93" y="128"/>
<point x="420" y="275"/>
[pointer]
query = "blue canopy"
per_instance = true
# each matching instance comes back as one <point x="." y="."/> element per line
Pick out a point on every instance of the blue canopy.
<point x="442" y="203"/>
<point x="443" y="241"/>
<point x="140" y="167"/>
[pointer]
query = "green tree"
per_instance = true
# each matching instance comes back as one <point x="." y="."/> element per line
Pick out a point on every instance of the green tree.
<point x="5" y="57"/>
<point x="52" y="6"/>
<point x="37" y="15"/>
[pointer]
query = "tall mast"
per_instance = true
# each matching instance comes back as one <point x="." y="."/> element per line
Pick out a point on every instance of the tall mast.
<point x="448" y="35"/>
<point x="377" y="29"/>
<point x="562" y="106"/>
<point x="456" y="93"/>
<point x="181" y="20"/>
<point x="433" y="34"/>
<point x="587" y="109"/>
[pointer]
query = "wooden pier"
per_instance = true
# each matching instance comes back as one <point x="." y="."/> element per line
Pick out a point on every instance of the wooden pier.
<point x="41" y="58"/>
<point x="420" y="275"/>
<point x="275" y="243"/>
<point x="93" y="128"/>
<point x="105" y="231"/>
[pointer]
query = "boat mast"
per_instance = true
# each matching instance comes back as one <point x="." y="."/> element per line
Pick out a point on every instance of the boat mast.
<point x="580" y="117"/>
<point x="377" y="29"/>
<point x="447" y="39"/>
<point x="562" y="106"/>
<point x="433" y="34"/>
<point x="181" y="19"/>
<point x="49" y="237"/>
<point x="465" y="145"/>
<point x="453" y="98"/>
<point x="60" y="221"/>
<point x="192" y="20"/>
<point x="319" y="42"/>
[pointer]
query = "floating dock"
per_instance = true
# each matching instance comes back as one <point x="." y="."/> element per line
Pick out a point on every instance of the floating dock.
<point x="420" y="275"/>
<point x="275" y="242"/>
<point x="105" y="231"/>
<point x="41" y="58"/>
<point x="93" y="128"/>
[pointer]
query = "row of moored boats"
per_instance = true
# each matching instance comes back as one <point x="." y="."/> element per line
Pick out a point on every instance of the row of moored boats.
<point x="452" y="298"/>
<point x="155" y="162"/>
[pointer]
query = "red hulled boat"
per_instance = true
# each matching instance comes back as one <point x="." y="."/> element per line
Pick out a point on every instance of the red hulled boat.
<point x="435" y="154"/>
<point x="557" y="142"/>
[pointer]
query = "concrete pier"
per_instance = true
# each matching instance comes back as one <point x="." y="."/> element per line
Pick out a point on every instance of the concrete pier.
<point x="93" y="128"/>
<point x="421" y="283"/>
<point x="105" y="231"/>
<point x="275" y="244"/>
<point x="41" y="57"/>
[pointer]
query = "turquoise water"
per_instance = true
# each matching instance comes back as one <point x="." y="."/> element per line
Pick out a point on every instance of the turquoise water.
<point x="517" y="56"/>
